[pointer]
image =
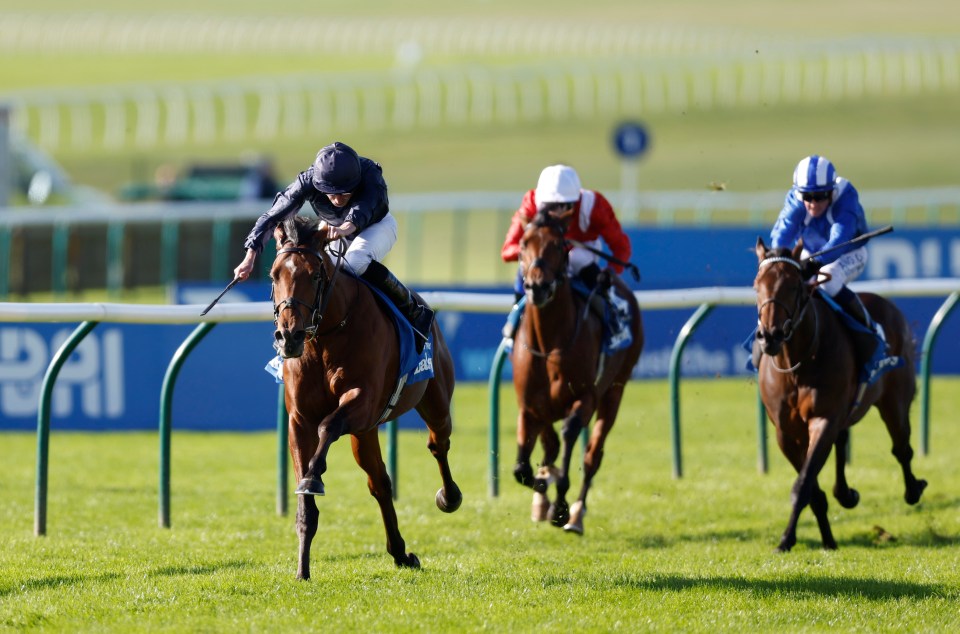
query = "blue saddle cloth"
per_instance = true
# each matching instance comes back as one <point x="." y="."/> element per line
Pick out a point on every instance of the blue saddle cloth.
<point x="872" y="369"/>
<point x="417" y="367"/>
<point x="616" y="328"/>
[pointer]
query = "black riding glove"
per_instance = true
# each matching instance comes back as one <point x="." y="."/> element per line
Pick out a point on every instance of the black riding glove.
<point x="809" y="268"/>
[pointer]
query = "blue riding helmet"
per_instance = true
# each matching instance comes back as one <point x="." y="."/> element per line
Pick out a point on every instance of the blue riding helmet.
<point x="336" y="169"/>
<point x="814" y="174"/>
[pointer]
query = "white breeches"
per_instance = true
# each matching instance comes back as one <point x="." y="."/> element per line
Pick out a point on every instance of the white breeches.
<point x="843" y="270"/>
<point x="373" y="243"/>
<point x="580" y="257"/>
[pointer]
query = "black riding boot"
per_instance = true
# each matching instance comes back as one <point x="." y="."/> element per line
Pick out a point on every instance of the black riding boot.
<point x="850" y="302"/>
<point x="419" y="315"/>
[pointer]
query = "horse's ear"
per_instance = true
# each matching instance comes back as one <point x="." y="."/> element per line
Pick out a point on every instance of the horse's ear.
<point x="797" y="250"/>
<point x="761" y="249"/>
<point x="290" y="230"/>
<point x="280" y="235"/>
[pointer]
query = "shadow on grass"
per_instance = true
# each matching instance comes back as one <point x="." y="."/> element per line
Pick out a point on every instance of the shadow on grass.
<point x="57" y="581"/>
<point x="871" y="589"/>
<point x="202" y="569"/>
<point x="923" y="537"/>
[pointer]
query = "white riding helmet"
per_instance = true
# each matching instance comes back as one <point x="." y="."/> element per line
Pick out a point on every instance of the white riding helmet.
<point x="557" y="184"/>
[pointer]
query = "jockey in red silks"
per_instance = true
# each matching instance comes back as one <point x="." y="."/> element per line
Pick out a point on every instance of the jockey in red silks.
<point x="558" y="190"/>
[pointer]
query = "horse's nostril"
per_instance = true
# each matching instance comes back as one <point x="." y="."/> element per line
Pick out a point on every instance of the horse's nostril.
<point x="278" y="335"/>
<point x="299" y="336"/>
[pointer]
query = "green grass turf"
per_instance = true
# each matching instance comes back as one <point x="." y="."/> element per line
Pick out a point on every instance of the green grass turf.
<point x="659" y="554"/>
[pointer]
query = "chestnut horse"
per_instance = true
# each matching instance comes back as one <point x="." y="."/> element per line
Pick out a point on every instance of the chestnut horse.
<point x="561" y="372"/>
<point x="340" y="369"/>
<point x="809" y="379"/>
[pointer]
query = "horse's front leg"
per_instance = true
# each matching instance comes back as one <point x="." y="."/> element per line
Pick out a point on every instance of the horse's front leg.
<point x="818" y="449"/>
<point x="529" y="427"/>
<point x="311" y="482"/>
<point x="580" y="415"/>
<point x="303" y="445"/>
<point x="366" y="451"/>
<point x="842" y="492"/>
<point x="308" y="517"/>
<point x="593" y="456"/>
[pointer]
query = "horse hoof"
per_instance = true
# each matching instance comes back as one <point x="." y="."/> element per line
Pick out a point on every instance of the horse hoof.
<point x="559" y="514"/>
<point x="576" y="529"/>
<point x="310" y="486"/>
<point x="912" y="496"/>
<point x="850" y="500"/>
<point x="410" y="561"/>
<point x="575" y="523"/>
<point x="539" y="507"/>
<point x="451" y="504"/>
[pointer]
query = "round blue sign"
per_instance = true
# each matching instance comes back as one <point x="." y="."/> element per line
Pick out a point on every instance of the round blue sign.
<point x="631" y="139"/>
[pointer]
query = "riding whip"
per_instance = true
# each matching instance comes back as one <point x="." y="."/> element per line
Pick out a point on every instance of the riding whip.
<point x="222" y="293"/>
<point x="860" y="238"/>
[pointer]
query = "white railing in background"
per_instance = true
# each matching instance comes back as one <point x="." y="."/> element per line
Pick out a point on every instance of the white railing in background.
<point x="173" y="114"/>
<point x="904" y="206"/>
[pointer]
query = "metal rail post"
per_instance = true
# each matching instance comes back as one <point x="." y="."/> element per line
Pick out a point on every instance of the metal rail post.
<point x="166" y="413"/>
<point x="928" y="340"/>
<point x="675" y="357"/>
<point x="494" y="436"/>
<point x="43" y="422"/>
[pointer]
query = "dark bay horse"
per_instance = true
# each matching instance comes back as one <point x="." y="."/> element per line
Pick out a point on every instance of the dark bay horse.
<point x="340" y="368"/>
<point x="809" y="379"/>
<point x="560" y="372"/>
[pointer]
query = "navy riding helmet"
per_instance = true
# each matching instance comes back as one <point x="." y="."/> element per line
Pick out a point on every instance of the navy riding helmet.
<point x="336" y="169"/>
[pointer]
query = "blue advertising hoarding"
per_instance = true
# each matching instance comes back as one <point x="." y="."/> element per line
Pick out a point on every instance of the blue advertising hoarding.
<point x="113" y="379"/>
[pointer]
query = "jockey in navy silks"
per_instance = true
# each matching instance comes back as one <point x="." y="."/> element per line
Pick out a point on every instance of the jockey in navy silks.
<point x="349" y="194"/>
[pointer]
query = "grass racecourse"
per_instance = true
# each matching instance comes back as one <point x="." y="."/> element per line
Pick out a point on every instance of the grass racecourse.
<point x="694" y="554"/>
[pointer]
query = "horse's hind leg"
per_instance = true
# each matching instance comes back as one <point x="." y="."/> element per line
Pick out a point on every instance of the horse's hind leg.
<point x="366" y="451"/>
<point x="606" y="415"/>
<point x="842" y="492"/>
<point x="435" y="410"/>
<point x="895" y="412"/>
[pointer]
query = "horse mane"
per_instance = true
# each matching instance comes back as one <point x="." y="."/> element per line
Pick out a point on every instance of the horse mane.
<point x="300" y="230"/>
<point x="544" y="218"/>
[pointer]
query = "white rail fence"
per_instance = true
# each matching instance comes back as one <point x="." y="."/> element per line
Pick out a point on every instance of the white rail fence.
<point x="174" y="114"/>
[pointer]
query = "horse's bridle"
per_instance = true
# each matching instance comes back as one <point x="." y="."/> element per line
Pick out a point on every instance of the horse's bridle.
<point x="803" y="302"/>
<point x="560" y="276"/>
<point x="314" y="311"/>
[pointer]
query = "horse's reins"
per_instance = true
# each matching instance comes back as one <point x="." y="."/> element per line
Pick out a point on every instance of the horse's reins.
<point x="790" y="325"/>
<point x="319" y="306"/>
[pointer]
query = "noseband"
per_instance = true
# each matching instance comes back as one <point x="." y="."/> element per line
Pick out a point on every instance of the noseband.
<point x="315" y="310"/>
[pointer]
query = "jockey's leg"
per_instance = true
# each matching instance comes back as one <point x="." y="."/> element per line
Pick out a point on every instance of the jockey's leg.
<point x="419" y="315"/>
<point x="851" y="303"/>
<point x="513" y="317"/>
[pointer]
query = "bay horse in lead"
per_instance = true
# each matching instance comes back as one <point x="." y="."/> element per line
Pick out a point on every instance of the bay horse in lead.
<point x="810" y="384"/>
<point x="560" y="372"/>
<point x="340" y="369"/>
